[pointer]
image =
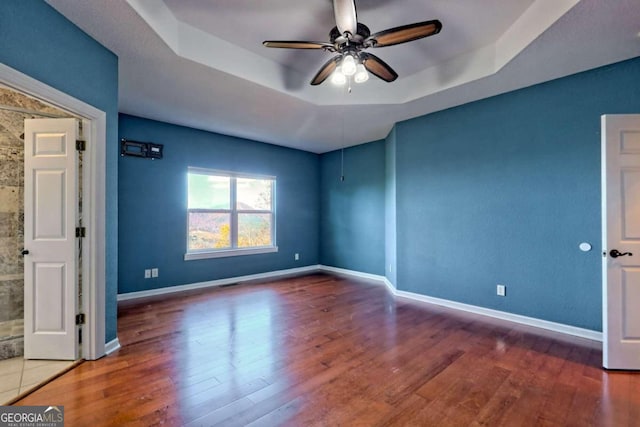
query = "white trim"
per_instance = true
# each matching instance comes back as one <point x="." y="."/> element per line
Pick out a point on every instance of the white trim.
<point x="604" y="218"/>
<point x="510" y="317"/>
<point x="190" y="256"/>
<point x="352" y="273"/>
<point x="214" y="283"/>
<point x="94" y="199"/>
<point x="390" y="286"/>
<point x="228" y="174"/>
<point x="112" y="346"/>
<point x="496" y="314"/>
<point x="234" y="215"/>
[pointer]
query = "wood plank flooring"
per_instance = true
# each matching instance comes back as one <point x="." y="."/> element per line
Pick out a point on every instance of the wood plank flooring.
<point x="322" y="350"/>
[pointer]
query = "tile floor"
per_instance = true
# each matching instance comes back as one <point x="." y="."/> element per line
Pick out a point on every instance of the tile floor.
<point x="18" y="375"/>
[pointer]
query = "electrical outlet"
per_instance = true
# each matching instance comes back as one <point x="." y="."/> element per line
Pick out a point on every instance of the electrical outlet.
<point x="154" y="272"/>
<point x="501" y="290"/>
<point x="296" y="257"/>
<point x="147" y="273"/>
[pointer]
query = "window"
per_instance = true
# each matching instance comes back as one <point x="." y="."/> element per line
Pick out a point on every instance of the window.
<point x="229" y="214"/>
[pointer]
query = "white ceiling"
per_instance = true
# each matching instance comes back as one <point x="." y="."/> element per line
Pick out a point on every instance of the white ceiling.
<point x="200" y="63"/>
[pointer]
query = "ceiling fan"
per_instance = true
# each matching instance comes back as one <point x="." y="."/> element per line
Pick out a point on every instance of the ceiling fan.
<point x="349" y="39"/>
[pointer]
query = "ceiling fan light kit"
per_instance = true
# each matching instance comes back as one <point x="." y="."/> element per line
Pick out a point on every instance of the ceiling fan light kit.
<point x="349" y="39"/>
<point x="338" y="78"/>
<point x="348" y="65"/>
<point x="361" y="75"/>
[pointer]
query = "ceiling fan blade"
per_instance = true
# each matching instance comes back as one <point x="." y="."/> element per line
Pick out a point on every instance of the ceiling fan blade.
<point x="405" y="33"/>
<point x="378" y="67"/>
<point x="345" y="13"/>
<point x="298" y="45"/>
<point x="326" y="70"/>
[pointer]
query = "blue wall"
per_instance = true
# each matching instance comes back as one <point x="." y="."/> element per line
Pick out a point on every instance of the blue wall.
<point x="497" y="191"/>
<point x="352" y="216"/>
<point x="38" y="41"/>
<point x="503" y="190"/>
<point x="153" y="200"/>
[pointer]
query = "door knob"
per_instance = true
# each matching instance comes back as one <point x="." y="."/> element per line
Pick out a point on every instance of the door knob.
<point x="25" y="252"/>
<point x="616" y="253"/>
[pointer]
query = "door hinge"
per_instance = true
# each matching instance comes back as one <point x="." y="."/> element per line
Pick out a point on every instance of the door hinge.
<point x="80" y="319"/>
<point x="81" y="145"/>
<point x="81" y="231"/>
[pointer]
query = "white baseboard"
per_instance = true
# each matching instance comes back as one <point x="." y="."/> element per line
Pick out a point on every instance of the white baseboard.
<point x="497" y="314"/>
<point x="214" y="283"/>
<point x="352" y="273"/>
<point x="390" y="286"/>
<point x="503" y="315"/>
<point x="111" y="346"/>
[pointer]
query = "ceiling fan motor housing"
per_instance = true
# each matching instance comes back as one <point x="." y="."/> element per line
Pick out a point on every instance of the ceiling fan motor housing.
<point x="340" y="40"/>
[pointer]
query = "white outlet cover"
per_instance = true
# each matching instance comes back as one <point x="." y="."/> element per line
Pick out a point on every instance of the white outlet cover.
<point x="154" y="272"/>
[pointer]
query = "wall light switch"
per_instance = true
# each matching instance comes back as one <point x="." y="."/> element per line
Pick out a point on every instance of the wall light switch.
<point x="296" y="257"/>
<point x="147" y="273"/>
<point x="501" y="290"/>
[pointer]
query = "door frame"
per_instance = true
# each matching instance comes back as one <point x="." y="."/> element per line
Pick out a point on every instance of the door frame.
<point x="94" y="204"/>
<point x="611" y="186"/>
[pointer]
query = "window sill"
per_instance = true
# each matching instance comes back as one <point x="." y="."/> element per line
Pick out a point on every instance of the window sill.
<point x="190" y="256"/>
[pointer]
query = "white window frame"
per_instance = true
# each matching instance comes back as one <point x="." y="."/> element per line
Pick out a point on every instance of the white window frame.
<point x="233" y="212"/>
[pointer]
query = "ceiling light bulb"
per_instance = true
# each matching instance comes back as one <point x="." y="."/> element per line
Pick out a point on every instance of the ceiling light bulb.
<point x="337" y="78"/>
<point x="348" y="65"/>
<point x="361" y="74"/>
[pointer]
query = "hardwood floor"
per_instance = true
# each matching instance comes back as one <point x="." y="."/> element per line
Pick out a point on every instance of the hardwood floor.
<point x="330" y="351"/>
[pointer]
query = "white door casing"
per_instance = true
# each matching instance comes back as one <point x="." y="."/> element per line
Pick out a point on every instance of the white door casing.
<point x="93" y="207"/>
<point x="50" y="218"/>
<point x="621" y="233"/>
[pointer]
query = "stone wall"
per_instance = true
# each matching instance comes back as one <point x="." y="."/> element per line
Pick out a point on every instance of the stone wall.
<point x="11" y="215"/>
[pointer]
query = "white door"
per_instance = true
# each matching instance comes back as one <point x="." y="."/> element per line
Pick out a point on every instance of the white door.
<point x="621" y="241"/>
<point x="50" y="212"/>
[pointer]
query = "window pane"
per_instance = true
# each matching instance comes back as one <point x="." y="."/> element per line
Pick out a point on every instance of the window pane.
<point x="254" y="230"/>
<point x="209" y="230"/>
<point x="209" y="191"/>
<point x="253" y="194"/>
